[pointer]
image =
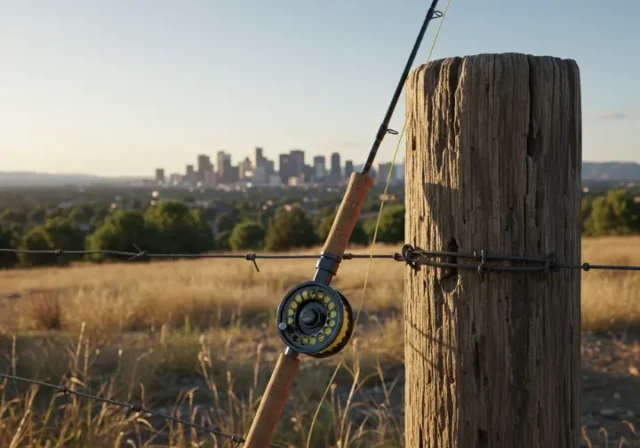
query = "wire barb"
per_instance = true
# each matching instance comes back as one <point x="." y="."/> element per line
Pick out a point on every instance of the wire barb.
<point x="252" y="257"/>
<point x="142" y="254"/>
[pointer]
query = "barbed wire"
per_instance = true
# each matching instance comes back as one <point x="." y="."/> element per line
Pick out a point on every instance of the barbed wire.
<point x="413" y="256"/>
<point x="135" y="407"/>
<point x="143" y="254"/>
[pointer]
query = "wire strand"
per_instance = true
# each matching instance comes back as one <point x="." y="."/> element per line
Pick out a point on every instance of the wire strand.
<point x="131" y="406"/>
<point x="414" y="256"/>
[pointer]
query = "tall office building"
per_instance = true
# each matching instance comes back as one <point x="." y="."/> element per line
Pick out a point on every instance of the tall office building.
<point x="284" y="169"/>
<point x="190" y="176"/>
<point x="383" y="173"/>
<point x="336" y="172"/>
<point x="260" y="176"/>
<point x="348" y="168"/>
<point x="205" y="167"/>
<point x="296" y="162"/>
<point x="160" y="175"/>
<point x="244" y="168"/>
<point x="258" y="157"/>
<point x="225" y="174"/>
<point x="319" y="167"/>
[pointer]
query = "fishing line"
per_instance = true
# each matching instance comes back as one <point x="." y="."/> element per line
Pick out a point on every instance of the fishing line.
<point x="375" y="236"/>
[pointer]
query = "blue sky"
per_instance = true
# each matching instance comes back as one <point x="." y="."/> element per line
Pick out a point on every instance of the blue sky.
<point x="119" y="87"/>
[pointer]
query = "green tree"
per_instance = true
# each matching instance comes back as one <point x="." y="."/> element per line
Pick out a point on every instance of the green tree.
<point x="224" y="221"/>
<point x="37" y="238"/>
<point x="181" y="230"/>
<point x="64" y="234"/>
<point x="247" y="235"/>
<point x="391" y="229"/>
<point x="222" y="240"/>
<point x="37" y="215"/>
<point x="289" y="229"/>
<point x="122" y="231"/>
<point x="8" y="240"/>
<point x="83" y="213"/>
<point x="616" y="213"/>
<point x="13" y="216"/>
<point x="358" y="236"/>
<point x="101" y="212"/>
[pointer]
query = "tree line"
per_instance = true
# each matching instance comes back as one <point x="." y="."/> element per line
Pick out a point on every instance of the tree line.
<point x="174" y="227"/>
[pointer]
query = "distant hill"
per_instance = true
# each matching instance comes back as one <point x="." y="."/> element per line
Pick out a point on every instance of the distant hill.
<point x="610" y="171"/>
<point x="31" y="179"/>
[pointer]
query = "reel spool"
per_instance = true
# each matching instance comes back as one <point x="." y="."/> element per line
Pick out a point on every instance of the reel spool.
<point x="315" y="319"/>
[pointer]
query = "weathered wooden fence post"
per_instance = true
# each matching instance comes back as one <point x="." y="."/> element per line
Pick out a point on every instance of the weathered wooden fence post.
<point x="493" y="162"/>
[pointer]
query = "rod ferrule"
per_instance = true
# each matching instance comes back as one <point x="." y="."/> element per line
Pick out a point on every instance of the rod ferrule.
<point x="326" y="267"/>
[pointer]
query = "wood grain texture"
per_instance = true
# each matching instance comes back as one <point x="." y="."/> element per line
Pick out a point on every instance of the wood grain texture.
<point x="348" y="214"/>
<point x="273" y="401"/>
<point x="493" y="160"/>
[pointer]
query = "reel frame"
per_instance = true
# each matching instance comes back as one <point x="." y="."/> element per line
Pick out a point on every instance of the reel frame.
<point x="315" y="319"/>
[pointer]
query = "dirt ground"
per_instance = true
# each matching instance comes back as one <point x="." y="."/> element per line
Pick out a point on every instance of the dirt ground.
<point x="611" y="388"/>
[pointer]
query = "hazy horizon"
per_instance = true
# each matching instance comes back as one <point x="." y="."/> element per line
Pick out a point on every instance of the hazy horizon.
<point x="119" y="88"/>
<point x="151" y="175"/>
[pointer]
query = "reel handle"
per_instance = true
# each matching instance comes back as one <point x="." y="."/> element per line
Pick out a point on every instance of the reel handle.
<point x="273" y="401"/>
<point x="348" y="214"/>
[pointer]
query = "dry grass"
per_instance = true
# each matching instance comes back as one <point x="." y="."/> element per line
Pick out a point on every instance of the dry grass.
<point x="196" y="337"/>
<point x="611" y="299"/>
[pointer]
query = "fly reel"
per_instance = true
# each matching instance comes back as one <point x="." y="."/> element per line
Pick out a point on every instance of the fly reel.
<point x="315" y="319"/>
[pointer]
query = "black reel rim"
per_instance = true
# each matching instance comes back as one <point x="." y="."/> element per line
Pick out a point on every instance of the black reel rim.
<point x="325" y="342"/>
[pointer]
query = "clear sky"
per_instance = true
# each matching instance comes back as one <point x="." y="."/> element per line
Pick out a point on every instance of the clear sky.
<point x="119" y="87"/>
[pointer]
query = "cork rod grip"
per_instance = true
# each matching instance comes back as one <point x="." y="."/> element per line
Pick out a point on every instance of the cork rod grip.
<point x="273" y="401"/>
<point x="348" y="214"/>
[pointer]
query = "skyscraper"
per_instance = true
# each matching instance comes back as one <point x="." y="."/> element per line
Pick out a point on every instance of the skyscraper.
<point x="204" y="168"/>
<point x="296" y="162"/>
<point x="244" y="167"/>
<point x="258" y="158"/>
<point x="348" y="168"/>
<point x="160" y="175"/>
<point x="190" y="176"/>
<point x="319" y="167"/>
<point x="224" y="167"/>
<point x="336" y="172"/>
<point x="284" y="168"/>
<point x="383" y="173"/>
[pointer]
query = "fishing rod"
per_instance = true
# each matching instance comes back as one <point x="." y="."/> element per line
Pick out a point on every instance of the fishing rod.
<point x="313" y="318"/>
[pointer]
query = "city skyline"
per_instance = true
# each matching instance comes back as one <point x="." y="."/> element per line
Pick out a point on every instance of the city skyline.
<point x="259" y="170"/>
<point x="109" y="88"/>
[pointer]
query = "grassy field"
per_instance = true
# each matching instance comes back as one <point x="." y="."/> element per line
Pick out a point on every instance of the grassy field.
<point x="196" y="338"/>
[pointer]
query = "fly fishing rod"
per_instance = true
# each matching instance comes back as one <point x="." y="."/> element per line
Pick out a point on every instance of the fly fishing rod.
<point x="314" y="318"/>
